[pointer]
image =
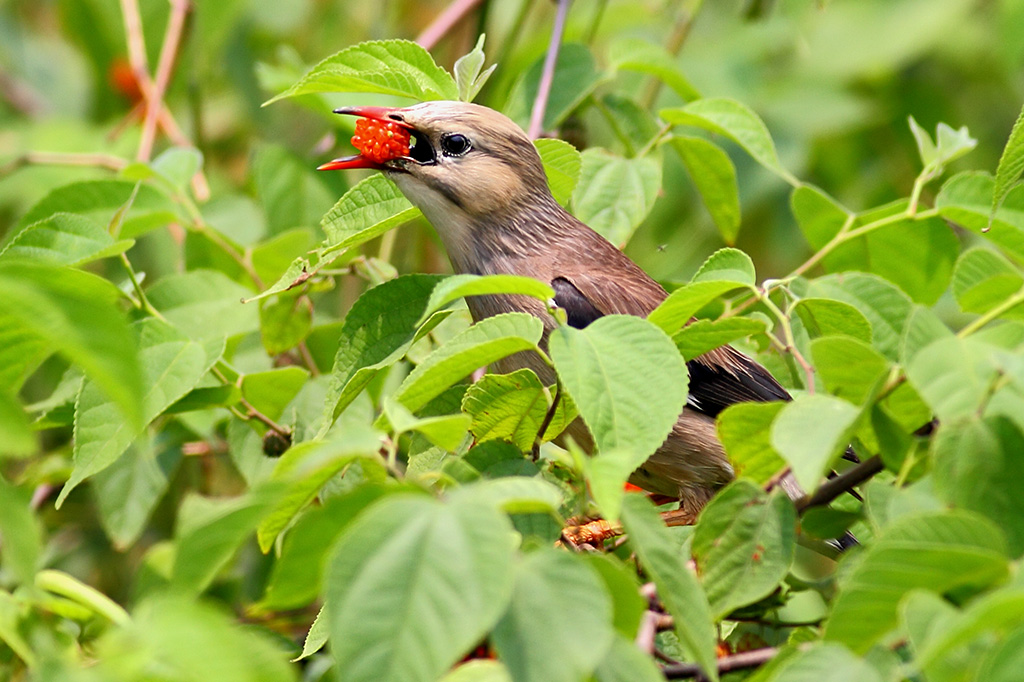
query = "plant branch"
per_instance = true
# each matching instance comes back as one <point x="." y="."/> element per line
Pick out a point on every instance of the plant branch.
<point x="445" y="22"/>
<point x="1012" y="302"/>
<point x="547" y="421"/>
<point x="108" y="161"/>
<point x="165" y="66"/>
<point x="250" y="411"/>
<point x="747" y="659"/>
<point x="547" y="76"/>
<point x="834" y="487"/>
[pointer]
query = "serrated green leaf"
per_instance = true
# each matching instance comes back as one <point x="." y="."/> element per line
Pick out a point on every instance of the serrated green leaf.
<point x="558" y="624"/>
<point x="713" y="174"/>
<point x="413" y="584"/>
<point x="615" y="194"/>
<point x="486" y="341"/>
<point x="512" y="407"/>
<point x="562" y="163"/>
<point x="285" y="323"/>
<point x="366" y="211"/>
<point x="204" y="304"/>
<point x="634" y="54"/>
<point x="983" y="279"/>
<point x="612" y="369"/>
<point x="1011" y="164"/>
<point x="701" y="336"/>
<point x="459" y="286"/>
<point x="727" y="265"/>
<point x="100" y="199"/>
<point x="819" y="216"/>
<point x="743" y="545"/>
<point x="735" y="121"/>
<point x="886" y="308"/>
<point x="810" y="432"/>
<point x="850" y="369"/>
<point x="678" y="587"/>
<point x="684" y="302"/>
<point x="745" y="431"/>
<point x="468" y="76"/>
<point x="966" y="199"/>
<point x="390" y="67"/>
<point x="64" y="239"/>
<point x="828" y="317"/>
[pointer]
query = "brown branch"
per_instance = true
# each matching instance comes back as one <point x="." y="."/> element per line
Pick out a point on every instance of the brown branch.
<point x="445" y="21"/>
<point x="747" y="659"/>
<point x="165" y="66"/>
<point x="109" y="161"/>
<point x="540" y="104"/>
<point x="834" y="487"/>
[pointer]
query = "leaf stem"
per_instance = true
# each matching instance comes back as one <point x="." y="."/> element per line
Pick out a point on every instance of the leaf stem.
<point x="65" y="585"/>
<point x="834" y="487"/>
<point x="1012" y="302"/>
<point x="250" y="411"/>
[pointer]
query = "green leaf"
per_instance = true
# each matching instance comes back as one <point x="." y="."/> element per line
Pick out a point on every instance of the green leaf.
<point x="413" y="585"/>
<point x="727" y="265"/>
<point x="576" y="76"/>
<point x="678" y="587"/>
<point x="272" y="390"/>
<point x="458" y="286"/>
<point x="735" y="121"/>
<point x="607" y="473"/>
<point x="825" y="663"/>
<point x="16" y="436"/>
<point x="849" y="368"/>
<point x="976" y="466"/>
<point x="285" y="323"/>
<point x="562" y="163"/>
<point x="954" y="376"/>
<point x="366" y="211"/>
<point x="468" y="76"/>
<point x="304" y="469"/>
<point x="177" y="165"/>
<point x="743" y="545"/>
<point x="810" y="433"/>
<point x="210" y="531"/>
<point x="389" y="67"/>
<point x="950" y="145"/>
<point x="171" y="366"/>
<point x="512" y="407"/>
<point x="984" y="279"/>
<point x="828" y="317"/>
<point x="46" y="309"/>
<point x="291" y="192"/>
<point x="379" y="328"/>
<point x="444" y="431"/>
<point x="272" y="257"/>
<point x="64" y="239"/>
<point x="819" y="216"/>
<point x="478" y="670"/>
<point x="558" y="624"/>
<point x="613" y="369"/>
<point x="745" y="430"/>
<point x="615" y="194"/>
<point x="634" y="54"/>
<point x="483" y="343"/>
<point x="1003" y="661"/>
<point x="513" y="494"/>
<point x="1011" y="165"/>
<point x="966" y="199"/>
<point x="701" y="336"/>
<point x="204" y="304"/>
<point x="625" y="662"/>
<point x="937" y="551"/>
<point x="683" y="303"/>
<point x="623" y="585"/>
<point x="886" y="308"/>
<point x="713" y="174"/>
<point x="20" y="532"/>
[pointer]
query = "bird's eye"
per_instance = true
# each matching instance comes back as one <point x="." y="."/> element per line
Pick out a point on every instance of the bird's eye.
<point x="455" y="144"/>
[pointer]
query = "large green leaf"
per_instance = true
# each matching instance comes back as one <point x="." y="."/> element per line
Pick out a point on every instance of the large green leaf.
<point x="954" y="376"/>
<point x="615" y="194"/>
<point x="512" y="407"/>
<point x="627" y="379"/>
<point x="745" y="430"/>
<point x="810" y="433"/>
<point x="828" y="317"/>
<point x="204" y="304"/>
<point x="678" y="587"/>
<point x="459" y="286"/>
<point x="984" y="279"/>
<point x="562" y="163"/>
<point x="886" y="308"/>
<point x="391" y="67"/>
<point x="172" y="365"/>
<point x="559" y="622"/>
<point x="966" y="199"/>
<point x="368" y="210"/>
<point x="714" y="176"/>
<point x="64" y="239"/>
<point x="1011" y="164"/>
<point x="824" y="663"/>
<point x="743" y="545"/>
<point x="413" y="585"/>
<point x="849" y="368"/>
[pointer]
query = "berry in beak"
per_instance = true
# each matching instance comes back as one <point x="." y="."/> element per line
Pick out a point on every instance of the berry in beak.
<point x="381" y="136"/>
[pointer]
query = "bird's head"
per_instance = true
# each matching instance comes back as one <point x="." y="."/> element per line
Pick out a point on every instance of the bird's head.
<point x="466" y="162"/>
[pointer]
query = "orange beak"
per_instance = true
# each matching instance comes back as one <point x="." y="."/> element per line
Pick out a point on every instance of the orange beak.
<point x="358" y="160"/>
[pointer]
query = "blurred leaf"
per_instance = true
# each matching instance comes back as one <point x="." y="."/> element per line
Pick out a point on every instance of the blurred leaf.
<point x="459" y="286"/>
<point x="937" y="551"/>
<point x="204" y="304"/>
<point x="1004" y="660"/>
<point x="625" y="662"/>
<point x="745" y="430"/>
<point x="177" y="165"/>
<point x="714" y="176"/>
<point x="966" y="199"/>
<point x="446" y="431"/>
<point x="735" y="121"/>
<point x="613" y="369"/>
<point x="886" y="308"/>
<point x="468" y="76"/>
<point x="171" y="365"/>
<point x="810" y="433"/>
<point x="825" y="663"/>
<point x="576" y="76"/>
<point x="949" y="145"/>
<point x="743" y="545"/>
<point x="562" y="163"/>
<point x="379" y="328"/>
<point x="47" y="309"/>
<point x="558" y="625"/>
<point x="983" y="279"/>
<point x="285" y="323"/>
<point x="634" y="54"/>
<point x="270" y="391"/>
<point x="16" y="436"/>
<point x="413" y="585"/>
<point x="819" y="216"/>
<point x="828" y="317"/>
<point x="512" y="407"/>
<point x="478" y="670"/>
<point x="21" y="533"/>
<point x="849" y="368"/>
<point x="615" y="194"/>
<point x="923" y="328"/>
<point x="272" y="257"/>
<point x="64" y="239"/>
<point x="1011" y="165"/>
<point x="513" y="494"/>
<point x="678" y="587"/>
<point x="290" y="191"/>
<point x="623" y="585"/>
<point x="954" y="376"/>
<point x="701" y="336"/>
<point x="391" y="67"/>
<point x="486" y="341"/>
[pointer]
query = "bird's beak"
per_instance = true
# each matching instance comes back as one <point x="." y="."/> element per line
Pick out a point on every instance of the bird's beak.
<point x="359" y="161"/>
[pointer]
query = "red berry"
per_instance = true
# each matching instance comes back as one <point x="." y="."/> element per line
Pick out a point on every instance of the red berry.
<point x="380" y="141"/>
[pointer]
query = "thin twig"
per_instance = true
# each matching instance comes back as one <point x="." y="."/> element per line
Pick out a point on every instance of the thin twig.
<point x="547" y="421"/>
<point x="109" y="161"/>
<point x="136" y="43"/>
<point x="445" y="21"/>
<point x="834" y="487"/>
<point x="647" y="631"/>
<point x="747" y="659"/>
<point x="168" y="55"/>
<point x="540" y="104"/>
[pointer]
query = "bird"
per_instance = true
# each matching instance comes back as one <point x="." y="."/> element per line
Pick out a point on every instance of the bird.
<point x="478" y="179"/>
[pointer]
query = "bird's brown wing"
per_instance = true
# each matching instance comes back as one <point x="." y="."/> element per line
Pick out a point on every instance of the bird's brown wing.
<point x="718" y="378"/>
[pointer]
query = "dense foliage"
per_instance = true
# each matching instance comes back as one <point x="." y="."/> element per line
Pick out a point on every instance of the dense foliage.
<point x="198" y="488"/>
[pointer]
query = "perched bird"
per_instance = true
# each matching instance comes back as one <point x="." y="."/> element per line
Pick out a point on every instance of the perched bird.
<point x="479" y="180"/>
